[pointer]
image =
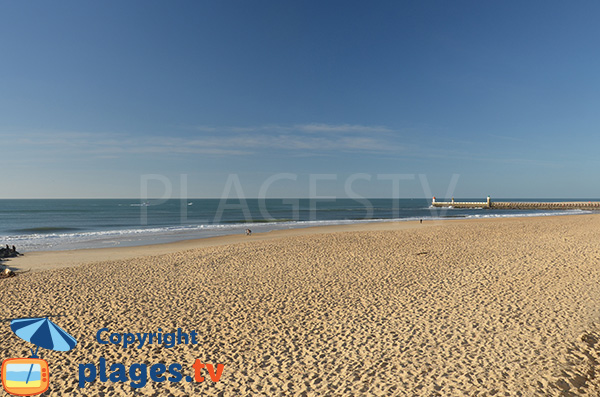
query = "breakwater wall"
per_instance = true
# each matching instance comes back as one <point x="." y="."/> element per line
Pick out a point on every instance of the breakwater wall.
<point x="522" y="205"/>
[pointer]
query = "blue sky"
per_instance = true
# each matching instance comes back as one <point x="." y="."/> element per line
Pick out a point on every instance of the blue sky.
<point x="95" y="95"/>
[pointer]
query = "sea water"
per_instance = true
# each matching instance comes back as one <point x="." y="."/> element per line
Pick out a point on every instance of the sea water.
<point x="59" y="224"/>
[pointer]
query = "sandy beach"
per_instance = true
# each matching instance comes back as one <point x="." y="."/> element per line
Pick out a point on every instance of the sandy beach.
<point x="480" y="307"/>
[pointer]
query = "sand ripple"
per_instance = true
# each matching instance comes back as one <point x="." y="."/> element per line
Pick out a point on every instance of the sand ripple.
<point x="502" y="307"/>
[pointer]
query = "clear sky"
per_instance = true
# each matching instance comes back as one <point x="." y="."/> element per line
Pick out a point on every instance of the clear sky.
<point x="95" y="96"/>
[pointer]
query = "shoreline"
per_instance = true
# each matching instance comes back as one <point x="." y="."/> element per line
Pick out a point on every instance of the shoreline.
<point x="47" y="260"/>
<point x="62" y="226"/>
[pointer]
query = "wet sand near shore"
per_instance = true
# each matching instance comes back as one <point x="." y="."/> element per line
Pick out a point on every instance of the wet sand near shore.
<point x="479" y="307"/>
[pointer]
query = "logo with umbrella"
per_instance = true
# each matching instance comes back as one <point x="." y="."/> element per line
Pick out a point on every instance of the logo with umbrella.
<point x="30" y="376"/>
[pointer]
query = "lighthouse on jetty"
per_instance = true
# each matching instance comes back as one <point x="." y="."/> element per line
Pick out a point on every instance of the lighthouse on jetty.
<point x="462" y="204"/>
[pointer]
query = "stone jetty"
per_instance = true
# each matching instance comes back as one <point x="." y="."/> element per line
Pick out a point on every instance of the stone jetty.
<point x="520" y="205"/>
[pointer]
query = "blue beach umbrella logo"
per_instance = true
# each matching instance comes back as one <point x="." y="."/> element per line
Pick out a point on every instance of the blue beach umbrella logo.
<point x="42" y="332"/>
<point x="30" y="376"/>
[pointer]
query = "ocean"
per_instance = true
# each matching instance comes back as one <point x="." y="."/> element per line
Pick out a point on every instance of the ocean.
<point x="64" y="224"/>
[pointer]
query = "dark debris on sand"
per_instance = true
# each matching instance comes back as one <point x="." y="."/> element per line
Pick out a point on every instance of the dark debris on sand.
<point x="7" y="252"/>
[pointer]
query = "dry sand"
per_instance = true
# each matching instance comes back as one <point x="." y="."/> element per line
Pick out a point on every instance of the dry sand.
<point x="493" y="307"/>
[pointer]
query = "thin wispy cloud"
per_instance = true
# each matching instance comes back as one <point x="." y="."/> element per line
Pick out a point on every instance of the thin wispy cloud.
<point x="342" y="128"/>
<point x="300" y="128"/>
<point x="298" y="139"/>
<point x="304" y="137"/>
